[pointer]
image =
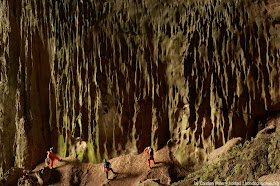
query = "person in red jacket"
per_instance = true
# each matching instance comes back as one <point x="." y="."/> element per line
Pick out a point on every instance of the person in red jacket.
<point x="52" y="157"/>
<point x="150" y="155"/>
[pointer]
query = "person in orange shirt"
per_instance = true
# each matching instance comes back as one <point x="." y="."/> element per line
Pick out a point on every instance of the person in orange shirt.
<point x="150" y="155"/>
<point x="52" y="157"/>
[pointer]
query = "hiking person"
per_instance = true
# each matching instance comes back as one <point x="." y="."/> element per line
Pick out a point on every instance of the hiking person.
<point x="150" y="155"/>
<point x="52" y="157"/>
<point x="107" y="168"/>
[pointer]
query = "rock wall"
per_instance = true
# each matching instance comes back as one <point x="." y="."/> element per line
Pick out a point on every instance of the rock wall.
<point x="24" y="81"/>
<point x="99" y="78"/>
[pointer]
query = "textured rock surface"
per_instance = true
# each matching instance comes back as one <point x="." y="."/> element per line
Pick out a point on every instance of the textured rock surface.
<point x="131" y="169"/>
<point x="24" y="81"/>
<point x="11" y="176"/>
<point x="148" y="182"/>
<point x="270" y="178"/>
<point x="256" y="160"/>
<point x="223" y="150"/>
<point x="111" y="77"/>
<point x="43" y="175"/>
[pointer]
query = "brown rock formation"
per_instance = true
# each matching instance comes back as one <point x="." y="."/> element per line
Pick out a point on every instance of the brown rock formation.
<point x="223" y="150"/>
<point x="271" y="178"/>
<point x="111" y="77"/>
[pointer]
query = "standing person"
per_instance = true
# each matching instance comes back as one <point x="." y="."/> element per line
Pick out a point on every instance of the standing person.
<point x="150" y="155"/>
<point x="52" y="157"/>
<point x="107" y="168"/>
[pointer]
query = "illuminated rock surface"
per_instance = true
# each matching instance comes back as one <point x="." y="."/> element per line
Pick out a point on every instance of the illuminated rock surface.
<point x="103" y="78"/>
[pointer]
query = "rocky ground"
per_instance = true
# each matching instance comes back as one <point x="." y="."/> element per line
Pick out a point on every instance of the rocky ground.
<point x="256" y="160"/>
<point x="131" y="170"/>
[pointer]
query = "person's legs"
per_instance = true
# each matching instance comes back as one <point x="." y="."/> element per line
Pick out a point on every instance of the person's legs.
<point x="106" y="175"/>
<point x="153" y="161"/>
<point x="51" y="164"/>
<point x="149" y="163"/>
<point x="112" y="171"/>
<point x="57" y="158"/>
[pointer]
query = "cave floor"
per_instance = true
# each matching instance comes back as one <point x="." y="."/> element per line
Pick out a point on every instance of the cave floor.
<point x="131" y="169"/>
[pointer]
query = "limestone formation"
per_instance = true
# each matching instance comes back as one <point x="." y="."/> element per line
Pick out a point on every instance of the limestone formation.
<point x="98" y="78"/>
<point x="43" y="175"/>
<point x="11" y="176"/>
<point x="216" y="154"/>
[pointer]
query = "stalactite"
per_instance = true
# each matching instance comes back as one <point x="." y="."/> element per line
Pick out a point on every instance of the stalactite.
<point x="104" y="77"/>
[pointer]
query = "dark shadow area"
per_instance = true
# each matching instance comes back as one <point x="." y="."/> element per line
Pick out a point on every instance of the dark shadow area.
<point x="270" y="131"/>
<point x="161" y="164"/>
<point x="174" y="175"/>
<point x="260" y="122"/>
<point x="123" y="176"/>
<point x="55" y="177"/>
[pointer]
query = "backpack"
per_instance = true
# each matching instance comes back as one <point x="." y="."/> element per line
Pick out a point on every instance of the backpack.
<point x="151" y="153"/>
<point x="107" y="166"/>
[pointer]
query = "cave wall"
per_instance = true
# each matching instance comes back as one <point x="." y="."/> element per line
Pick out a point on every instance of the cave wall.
<point x="24" y="81"/>
<point x="97" y="79"/>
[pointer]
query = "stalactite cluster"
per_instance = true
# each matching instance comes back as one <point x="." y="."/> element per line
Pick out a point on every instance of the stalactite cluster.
<point x="100" y="78"/>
